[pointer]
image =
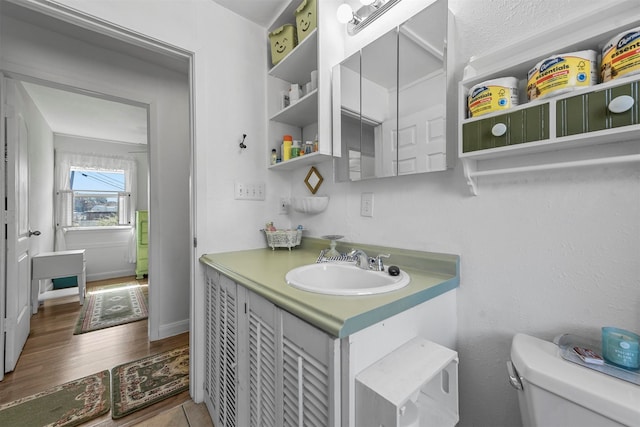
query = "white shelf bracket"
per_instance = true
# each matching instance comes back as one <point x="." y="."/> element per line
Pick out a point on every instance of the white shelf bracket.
<point x="470" y="167"/>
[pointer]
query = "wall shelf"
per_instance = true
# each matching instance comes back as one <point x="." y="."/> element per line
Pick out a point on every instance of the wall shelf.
<point x="297" y="66"/>
<point x="566" y="122"/>
<point x="301" y="113"/>
<point x="296" y="162"/>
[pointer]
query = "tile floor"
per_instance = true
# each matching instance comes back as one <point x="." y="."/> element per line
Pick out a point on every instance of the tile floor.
<point x="189" y="414"/>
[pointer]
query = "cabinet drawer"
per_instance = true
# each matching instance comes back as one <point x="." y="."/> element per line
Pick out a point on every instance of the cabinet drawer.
<point x="589" y="112"/>
<point x="525" y="125"/>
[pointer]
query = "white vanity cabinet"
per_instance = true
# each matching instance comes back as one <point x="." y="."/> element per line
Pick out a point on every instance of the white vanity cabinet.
<point x="267" y="367"/>
<point x="264" y="366"/>
<point x="221" y="343"/>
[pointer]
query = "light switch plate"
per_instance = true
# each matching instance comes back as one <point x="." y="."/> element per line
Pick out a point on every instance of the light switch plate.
<point x="249" y="191"/>
<point x="366" y="204"/>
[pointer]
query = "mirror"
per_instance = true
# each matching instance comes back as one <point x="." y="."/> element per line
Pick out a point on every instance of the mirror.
<point x="390" y="101"/>
<point x="346" y="118"/>
<point x="379" y="115"/>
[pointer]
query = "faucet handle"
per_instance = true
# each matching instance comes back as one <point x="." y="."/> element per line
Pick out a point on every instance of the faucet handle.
<point x="378" y="264"/>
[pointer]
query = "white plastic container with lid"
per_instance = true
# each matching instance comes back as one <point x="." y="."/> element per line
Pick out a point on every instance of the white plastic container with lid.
<point x="562" y="73"/>
<point x="492" y="96"/>
<point x="621" y="55"/>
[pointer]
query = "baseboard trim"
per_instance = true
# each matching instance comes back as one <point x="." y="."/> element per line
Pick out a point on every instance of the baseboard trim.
<point x="172" y="329"/>
<point x="110" y="275"/>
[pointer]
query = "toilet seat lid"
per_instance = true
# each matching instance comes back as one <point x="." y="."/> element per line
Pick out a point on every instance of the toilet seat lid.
<point x="538" y="362"/>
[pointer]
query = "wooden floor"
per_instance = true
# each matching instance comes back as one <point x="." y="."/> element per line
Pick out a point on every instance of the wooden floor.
<point x="53" y="355"/>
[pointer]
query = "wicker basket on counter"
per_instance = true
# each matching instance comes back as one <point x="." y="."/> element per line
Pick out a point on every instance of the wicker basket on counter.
<point x="283" y="238"/>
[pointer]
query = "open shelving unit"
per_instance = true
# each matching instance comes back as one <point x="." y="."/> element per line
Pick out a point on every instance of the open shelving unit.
<point x="300" y="118"/>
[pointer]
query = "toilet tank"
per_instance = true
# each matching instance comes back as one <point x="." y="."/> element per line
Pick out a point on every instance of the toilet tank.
<point x="556" y="392"/>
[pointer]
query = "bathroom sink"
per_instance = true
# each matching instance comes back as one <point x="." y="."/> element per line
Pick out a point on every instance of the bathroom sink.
<point x="344" y="279"/>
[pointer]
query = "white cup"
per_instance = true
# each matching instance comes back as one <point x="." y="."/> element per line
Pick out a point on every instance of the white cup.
<point x="294" y="93"/>
<point x="314" y="80"/>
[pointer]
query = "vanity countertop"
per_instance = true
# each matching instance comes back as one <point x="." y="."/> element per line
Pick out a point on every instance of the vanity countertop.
<point x="262" y="271"/>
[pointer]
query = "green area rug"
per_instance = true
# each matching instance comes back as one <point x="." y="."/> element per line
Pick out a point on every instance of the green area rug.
<point x="112" y="306"/>
<point x="144" y="382"/>
<point x="69" y="404"/>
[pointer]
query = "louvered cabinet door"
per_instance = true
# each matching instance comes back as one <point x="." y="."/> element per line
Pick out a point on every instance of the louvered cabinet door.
<point x="222" y="344"/>
<point x="264" y="328"/>
<point x="212" y="278"/>
<point x="308" y="372"/>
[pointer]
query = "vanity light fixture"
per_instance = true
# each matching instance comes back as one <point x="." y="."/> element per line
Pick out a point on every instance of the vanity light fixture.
<point x="369" y="12"/>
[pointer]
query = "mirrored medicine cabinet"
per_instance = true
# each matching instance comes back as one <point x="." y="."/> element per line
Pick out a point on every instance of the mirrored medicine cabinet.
<point x="389" y="101"/>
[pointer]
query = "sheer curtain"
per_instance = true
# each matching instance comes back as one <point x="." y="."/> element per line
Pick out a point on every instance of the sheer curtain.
<point x="64" y="163"/>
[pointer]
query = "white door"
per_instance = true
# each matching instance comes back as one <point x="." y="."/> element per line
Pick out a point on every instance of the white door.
<point x="18" y="262"/>
<point x="421" y="142"/>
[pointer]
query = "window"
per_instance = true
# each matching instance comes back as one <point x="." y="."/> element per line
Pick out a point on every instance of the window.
<point x="94" y="191"/>
<point x="98" y="198"/>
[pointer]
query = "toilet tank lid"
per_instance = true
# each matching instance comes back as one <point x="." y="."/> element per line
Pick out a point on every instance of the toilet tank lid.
<point x="538" y="362"/>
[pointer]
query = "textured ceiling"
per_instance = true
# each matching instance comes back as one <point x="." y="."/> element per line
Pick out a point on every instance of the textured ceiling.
<point x="480" y="28"/>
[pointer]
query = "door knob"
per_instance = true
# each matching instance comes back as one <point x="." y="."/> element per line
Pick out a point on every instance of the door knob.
<point x="34" y="233"/>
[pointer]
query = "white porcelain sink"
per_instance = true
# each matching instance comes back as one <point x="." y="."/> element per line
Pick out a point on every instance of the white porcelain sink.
<point x="344" y="279"/>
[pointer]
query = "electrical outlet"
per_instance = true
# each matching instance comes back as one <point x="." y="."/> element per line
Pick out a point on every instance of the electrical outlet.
<point x="366" y="204"/>
<point x="283" y="206"/>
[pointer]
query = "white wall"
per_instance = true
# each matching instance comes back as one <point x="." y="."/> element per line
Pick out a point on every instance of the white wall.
<point x="106" y="252"/>
<point x="541" y="253"/>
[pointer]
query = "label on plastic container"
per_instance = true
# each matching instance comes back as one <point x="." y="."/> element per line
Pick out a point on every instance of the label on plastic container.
<point x="493" y="95"/>
<point x="621" y="56"/>
<point x="562" y="73"/>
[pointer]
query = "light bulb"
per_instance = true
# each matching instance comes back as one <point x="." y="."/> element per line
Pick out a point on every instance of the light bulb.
<point x="344" y="13"/>
<point x="367" y="2"/>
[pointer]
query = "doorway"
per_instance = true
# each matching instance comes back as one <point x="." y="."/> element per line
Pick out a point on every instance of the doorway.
<point x="100" y="183"/>
<point x="43" y="48"/>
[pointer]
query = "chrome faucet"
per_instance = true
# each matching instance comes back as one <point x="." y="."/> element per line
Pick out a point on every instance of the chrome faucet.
<point x="368" y="263"/>
<point x="362" y="259"/>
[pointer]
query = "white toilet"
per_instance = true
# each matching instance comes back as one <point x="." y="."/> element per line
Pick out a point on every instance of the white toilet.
<point x="555" y="392"/>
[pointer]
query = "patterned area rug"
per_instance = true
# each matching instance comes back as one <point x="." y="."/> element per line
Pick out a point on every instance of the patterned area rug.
<point x="69" y="404"/>
<point x="112" y="306"/>
<point x="142" y="383"/>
